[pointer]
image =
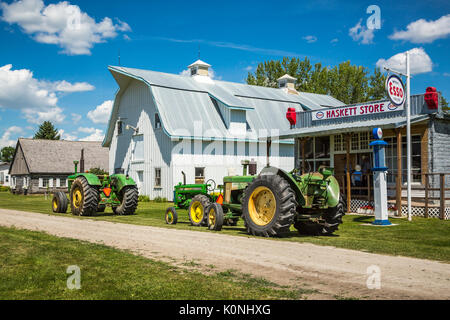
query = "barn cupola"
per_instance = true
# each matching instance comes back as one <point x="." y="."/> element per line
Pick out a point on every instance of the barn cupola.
<point x="287" y="83"/>
<point x="199" y="68"/>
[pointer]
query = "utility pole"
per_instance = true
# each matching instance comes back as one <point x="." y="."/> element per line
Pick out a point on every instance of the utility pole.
<point x="408" y="133"/>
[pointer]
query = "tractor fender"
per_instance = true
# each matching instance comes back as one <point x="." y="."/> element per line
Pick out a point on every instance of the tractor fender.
<point x="120" y="181"/>
<point x="332" y="192"/>
<point x="277" y="171"/>
<point x="92" y="179"/>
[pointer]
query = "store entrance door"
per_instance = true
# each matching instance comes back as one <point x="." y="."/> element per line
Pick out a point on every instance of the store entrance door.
<point x="340" y="162"/>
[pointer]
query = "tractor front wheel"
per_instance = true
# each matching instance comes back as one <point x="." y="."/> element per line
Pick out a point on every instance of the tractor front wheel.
<point x="59" y="202"/>
<point x="268" y="206"/>
<point x="197" y="210"/>
<point x="171" y="216"/>
<point x="128" y="197"/>
<point x="215" y="217"/>
<point x="83" y="198"/>
<point x="329" y="223"/>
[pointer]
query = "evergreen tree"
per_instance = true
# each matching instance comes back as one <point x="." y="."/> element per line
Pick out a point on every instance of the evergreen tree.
<point x="47" y="131"/>
<point x="7" y="154"/>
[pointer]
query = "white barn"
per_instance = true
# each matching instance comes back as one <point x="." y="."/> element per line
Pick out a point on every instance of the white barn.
<point x="164" y="124"/>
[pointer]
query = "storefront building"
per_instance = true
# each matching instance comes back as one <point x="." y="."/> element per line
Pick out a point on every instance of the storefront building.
<point x="339" y="138"/>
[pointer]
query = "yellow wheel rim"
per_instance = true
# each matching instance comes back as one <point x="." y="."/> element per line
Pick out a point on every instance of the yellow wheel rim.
<point x="169" y="217"/>
<point x="55" y="204"/>
<point x="212" y="217"/>
<point x="262" y="206"/>
<point x="77" y="198"/>
<point x="196" y="212"/>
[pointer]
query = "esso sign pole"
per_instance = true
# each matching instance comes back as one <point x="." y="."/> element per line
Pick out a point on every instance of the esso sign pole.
<point x="397" y="95"/>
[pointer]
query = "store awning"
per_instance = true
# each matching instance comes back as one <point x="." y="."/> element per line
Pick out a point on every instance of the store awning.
<point x="390" y="123"/>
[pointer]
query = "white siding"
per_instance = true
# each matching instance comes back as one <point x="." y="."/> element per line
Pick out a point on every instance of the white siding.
<point x="138" y="110"/>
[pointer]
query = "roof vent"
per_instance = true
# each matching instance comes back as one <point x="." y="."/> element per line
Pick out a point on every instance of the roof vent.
<point x="199" y="68"/>
<point x="287" y="83"/>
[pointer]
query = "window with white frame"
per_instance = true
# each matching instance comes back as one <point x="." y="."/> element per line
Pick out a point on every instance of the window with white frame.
<point x="157" y="177"/>
<point x="358" y="142"/>
<point x="338" y="143"/>
<point x="157" y="121"/>
<point x="416" y="159"/>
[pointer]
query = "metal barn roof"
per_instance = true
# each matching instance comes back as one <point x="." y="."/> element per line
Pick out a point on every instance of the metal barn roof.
<point x="175" y="94"/>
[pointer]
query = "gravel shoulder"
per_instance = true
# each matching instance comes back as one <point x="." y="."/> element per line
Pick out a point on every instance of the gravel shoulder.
<point x="329" y="272"/>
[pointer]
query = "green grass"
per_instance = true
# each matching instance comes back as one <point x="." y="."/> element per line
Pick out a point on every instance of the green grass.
<point x="421" y="238"/>
<point x="33" y="266"/>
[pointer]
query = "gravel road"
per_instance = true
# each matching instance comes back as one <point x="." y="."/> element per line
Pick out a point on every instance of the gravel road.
<point x="330" y="272"/>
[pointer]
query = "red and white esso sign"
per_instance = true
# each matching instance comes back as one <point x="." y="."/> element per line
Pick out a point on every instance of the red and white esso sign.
<point x="395" y="90"/>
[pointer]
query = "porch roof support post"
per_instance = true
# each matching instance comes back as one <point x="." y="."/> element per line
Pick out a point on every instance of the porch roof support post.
<point x="347" y="159"/>
<point x="303" y="142"/>
<point x="398" y="185"/>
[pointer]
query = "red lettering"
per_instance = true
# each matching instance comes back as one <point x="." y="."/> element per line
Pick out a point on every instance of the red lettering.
<point x="361" y="110"/>
<point x="376" y="108"/>
<point x="371" y="109"/>
<point x="346" y="112"/>
<point x="382" y="107"/>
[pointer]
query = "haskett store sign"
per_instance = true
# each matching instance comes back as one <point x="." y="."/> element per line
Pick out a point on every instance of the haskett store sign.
<point x="356" y="110"/>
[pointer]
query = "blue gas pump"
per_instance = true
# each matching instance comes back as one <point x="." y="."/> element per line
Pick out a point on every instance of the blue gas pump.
<point x="379" y="178"/>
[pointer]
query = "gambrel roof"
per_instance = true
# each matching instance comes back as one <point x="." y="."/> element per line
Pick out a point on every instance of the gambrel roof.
<point x="182" y="100"/>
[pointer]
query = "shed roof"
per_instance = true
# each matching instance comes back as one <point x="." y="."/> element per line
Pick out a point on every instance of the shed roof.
<point x="174" y="94"/>
<point x="57" y="156"/>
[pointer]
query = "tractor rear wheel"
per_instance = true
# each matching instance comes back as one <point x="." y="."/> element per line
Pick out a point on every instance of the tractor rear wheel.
<point x="83" y="198"/>
<point x="268" y="206"/>
<point x="128" y="197"/>
<point x="197" y="209"/>
<point x="332" y="218"/>
<point x="59" y="202"/>
<point x="215" y="217"/>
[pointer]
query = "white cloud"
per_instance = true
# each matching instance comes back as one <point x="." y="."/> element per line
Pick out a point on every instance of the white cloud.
<point x="7" y="138"/>
<point x="335" y="40"/>
<point x="420" y="62"/>
<point x="67" y="136"/>
<point x="54" y="115"/>
<point x="76" y="117"/>
<point x="101" y="113"/>
<point x="422" y="31"/>
<point x="310" y="39"/>
<point x="248" y="68"/>
<point x="64" y="86"/>
<point x="446" y="74"/>
<point x="86" y="130"/>
<point x="361" y="33"/>
<point x="61" y="24"/>
<point x="37" y="99"/>
<point x="98" y="135"/>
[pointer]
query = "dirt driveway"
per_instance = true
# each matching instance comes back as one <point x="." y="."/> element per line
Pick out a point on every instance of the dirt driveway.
<point x="332" y="272"/>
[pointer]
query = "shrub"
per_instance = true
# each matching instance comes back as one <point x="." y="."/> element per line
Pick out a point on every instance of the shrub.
<point x="160" y="199"/>
<point x="4" y="189"/>
<point x="143" y="198"/>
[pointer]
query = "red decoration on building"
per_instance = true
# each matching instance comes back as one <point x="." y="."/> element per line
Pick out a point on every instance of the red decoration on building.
<point x="432" y="98"/>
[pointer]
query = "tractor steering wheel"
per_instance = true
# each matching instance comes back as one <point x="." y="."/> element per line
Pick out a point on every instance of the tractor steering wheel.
<point x="210" y="185"/>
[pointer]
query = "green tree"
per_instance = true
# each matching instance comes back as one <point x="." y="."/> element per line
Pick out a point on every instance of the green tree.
<point x="346" y="82"/>
<point x="47" y="131"/>
<point x="7" y="154"/>
<point x="444" y="104"/>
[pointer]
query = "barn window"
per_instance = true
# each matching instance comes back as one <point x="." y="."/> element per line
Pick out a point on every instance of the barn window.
<point x="199" y="175"/>
<point x="157" y="121"/>
<point x="157" y="177"/>
<point x="119" y="127"/>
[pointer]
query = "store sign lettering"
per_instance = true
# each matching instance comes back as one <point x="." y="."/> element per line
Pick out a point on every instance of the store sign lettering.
<point x="357" y="110"/>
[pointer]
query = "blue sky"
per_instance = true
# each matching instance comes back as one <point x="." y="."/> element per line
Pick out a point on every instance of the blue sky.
<point x="48" y="71"/>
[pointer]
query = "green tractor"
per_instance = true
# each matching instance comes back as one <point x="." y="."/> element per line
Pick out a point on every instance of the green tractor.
<point x="194" y="197"/>
<point x="90" y="193"/>
<point x="272" y="201"/>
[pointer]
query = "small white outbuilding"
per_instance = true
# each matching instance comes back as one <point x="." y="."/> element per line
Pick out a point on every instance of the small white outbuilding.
<point x="163" y="125"/>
